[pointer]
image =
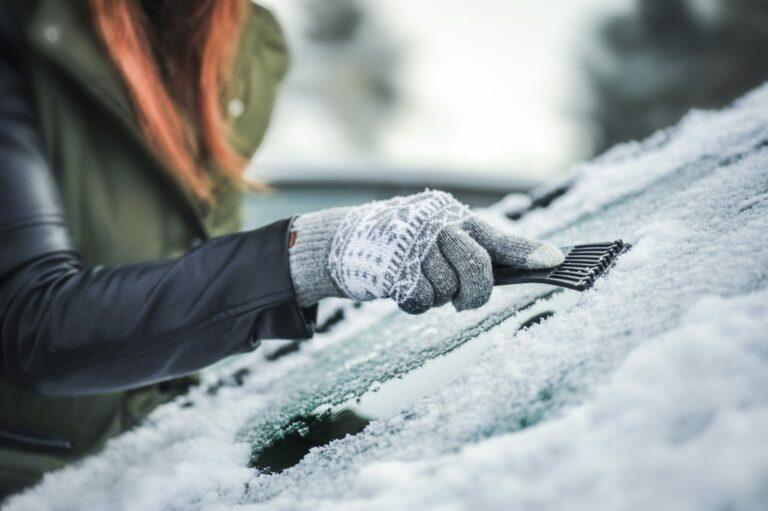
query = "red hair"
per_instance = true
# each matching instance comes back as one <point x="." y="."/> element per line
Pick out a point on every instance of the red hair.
<point x="176" y="69"/>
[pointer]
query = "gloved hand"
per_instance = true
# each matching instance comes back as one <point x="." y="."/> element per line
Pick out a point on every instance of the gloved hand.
<point x="422" y="251"/>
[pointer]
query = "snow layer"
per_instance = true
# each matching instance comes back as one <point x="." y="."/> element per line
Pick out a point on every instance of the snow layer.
<point x="648" y="393"/>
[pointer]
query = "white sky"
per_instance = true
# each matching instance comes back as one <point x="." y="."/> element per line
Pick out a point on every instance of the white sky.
<point x="490" y="87"/>
<point x="493" y="81"/>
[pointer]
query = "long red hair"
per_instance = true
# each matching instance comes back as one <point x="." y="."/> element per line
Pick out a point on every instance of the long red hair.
<point x="176" y="70"/>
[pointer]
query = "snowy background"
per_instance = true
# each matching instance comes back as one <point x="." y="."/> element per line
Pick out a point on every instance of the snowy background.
<point x="514" y="89"/>
<point x="488" y="97"/>
<point x="434" y="84"/>
<point x="648" y="393"/>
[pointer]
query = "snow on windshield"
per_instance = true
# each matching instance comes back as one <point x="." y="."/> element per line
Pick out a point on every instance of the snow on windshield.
<point x="648" y="393"/>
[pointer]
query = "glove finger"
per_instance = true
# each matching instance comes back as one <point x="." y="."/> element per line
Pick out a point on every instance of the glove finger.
<point x="511" y="250"/>
<point x="440" y="274"/>
<point x="421" y="299"/>
<point x="471" y="264"/>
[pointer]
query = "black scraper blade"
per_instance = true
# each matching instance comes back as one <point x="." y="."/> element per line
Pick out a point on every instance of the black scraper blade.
<point x="583" y="264"/>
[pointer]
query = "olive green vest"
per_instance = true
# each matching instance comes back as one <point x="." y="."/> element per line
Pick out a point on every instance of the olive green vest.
<point x="123" y="204"/>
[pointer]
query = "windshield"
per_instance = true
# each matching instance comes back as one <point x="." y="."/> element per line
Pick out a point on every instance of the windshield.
<point x="650" y="387"/>
<point x="384" y="400"/>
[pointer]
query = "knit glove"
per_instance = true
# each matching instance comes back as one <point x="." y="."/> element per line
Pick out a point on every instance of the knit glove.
<point x="422" y="251"/>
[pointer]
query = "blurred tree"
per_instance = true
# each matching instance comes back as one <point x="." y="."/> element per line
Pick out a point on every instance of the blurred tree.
<point x="646" y="68"/>
<point x="351" y="61"/>
<point x="333" y="21"/>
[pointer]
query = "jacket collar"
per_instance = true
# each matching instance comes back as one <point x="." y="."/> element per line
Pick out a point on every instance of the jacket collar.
<point x="62" y="31"/>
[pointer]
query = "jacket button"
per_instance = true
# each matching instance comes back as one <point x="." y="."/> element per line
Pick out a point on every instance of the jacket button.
<point x="236" y="107"/>
<point x="52" y="34"/>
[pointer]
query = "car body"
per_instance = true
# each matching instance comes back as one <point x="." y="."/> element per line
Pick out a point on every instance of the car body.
<point x="646" y="391"/>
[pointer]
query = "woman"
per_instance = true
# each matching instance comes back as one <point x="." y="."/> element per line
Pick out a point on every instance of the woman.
<point x="124" y="129"/>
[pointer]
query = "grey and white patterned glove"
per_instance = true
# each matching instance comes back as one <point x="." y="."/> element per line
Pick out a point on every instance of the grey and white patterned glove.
<point x="422" y="251"/>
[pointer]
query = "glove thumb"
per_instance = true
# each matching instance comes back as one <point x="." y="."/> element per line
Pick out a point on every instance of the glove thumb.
<point x="510" y="250"/>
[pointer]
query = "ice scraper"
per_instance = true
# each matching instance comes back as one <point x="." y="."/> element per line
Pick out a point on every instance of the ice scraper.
<point x="583" y="264"/>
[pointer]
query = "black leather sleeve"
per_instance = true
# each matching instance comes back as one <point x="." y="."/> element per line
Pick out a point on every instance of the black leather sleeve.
<point x="68" y="329"/>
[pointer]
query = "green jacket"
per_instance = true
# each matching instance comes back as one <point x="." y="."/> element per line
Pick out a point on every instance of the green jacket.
<point x="122" y="204"/>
